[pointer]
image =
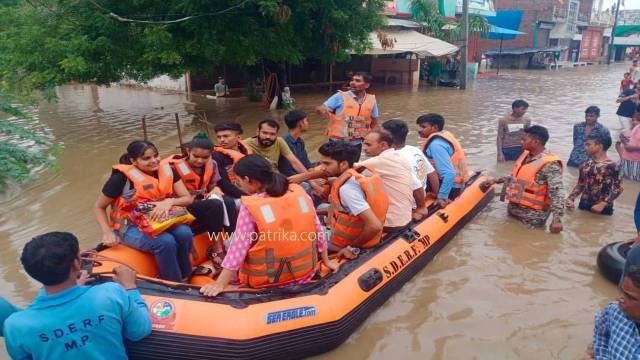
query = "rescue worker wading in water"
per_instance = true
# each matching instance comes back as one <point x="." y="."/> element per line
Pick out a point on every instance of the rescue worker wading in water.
<point x="278" y="235"/>
<point x="351" y="114"/>
<point x="534" y="190"/>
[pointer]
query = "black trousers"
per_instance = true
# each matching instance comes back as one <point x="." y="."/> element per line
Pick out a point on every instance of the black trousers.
<point x="453" y="194"/>
<point x="210" y="215"/>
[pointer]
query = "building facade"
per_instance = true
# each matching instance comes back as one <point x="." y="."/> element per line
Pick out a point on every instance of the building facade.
<point x="554" y="27"/>
<point x="629" y="17"/>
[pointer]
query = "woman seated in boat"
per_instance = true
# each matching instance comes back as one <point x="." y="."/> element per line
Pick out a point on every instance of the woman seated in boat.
<point x="277" y="233"/>
<point x="139" y="179"/>
<point x="201" y="175"/>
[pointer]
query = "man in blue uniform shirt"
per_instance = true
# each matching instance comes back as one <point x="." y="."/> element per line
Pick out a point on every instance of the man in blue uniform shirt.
<point x="68" y="321"/>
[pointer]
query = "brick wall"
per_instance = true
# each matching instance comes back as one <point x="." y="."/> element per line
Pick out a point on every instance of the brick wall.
<point x="534" y="11"/>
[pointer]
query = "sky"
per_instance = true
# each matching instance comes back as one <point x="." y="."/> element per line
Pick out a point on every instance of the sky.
<point x="629" y="4"/>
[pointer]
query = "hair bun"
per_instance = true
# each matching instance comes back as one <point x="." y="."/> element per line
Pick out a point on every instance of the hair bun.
<point x="200" y="135"/>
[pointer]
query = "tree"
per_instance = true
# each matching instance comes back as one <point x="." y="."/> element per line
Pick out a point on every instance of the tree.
<point x="21" y="149"/>
<point x="45" y="43"/>
<point x="51" y="42"/>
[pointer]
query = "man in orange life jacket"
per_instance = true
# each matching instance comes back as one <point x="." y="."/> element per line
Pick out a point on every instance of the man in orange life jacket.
<point x="534" y="190"/>
<point x="230" y="149"/>
<point x="447" y="156"/>
<point x="358" y="202"/>
<point x="352" y="114"/>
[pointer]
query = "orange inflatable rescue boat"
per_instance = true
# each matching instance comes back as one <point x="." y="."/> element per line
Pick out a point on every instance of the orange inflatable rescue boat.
<point x="289" y="322"/>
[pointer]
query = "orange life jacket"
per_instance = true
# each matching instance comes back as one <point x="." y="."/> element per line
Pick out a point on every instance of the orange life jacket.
<point x="234" y="155"/>
<point x="354" y="121"/>
<point x="196" y="184"/>
<point x="521" y="186"/>
<point x="140" y="186"/>
<point x="458" y="159"/>
<point x="346" y="228"/>
<point x="285" y="249"/>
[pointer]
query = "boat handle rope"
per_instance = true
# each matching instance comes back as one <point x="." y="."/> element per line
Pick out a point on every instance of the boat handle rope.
<point x="95" y="257"/>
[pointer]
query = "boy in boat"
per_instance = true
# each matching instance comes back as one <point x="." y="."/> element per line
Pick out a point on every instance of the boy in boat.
<point x="229" y="150"/>
<point x="297" y="123"/>
<point x="534" y="190"/>
<point x="615" y="331"/>
<point x="446" y="153"/>
<point x="599" y="183"/>
<point x="358" y="202"/>
<point x="69" y="321"/>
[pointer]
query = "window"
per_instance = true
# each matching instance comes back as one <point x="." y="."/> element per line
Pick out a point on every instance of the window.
<point x="572" y="15"/>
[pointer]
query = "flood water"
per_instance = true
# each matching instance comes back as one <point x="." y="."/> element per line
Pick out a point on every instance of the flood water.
<point x="498" y="290"/>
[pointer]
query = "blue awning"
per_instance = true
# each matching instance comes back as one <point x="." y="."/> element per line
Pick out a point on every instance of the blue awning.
<point x="505" y="19"/>
<point x="496" y="30"/>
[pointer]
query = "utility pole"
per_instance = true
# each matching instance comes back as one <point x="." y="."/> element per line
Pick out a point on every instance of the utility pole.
<point x="465" y="44"/>
<point x="613" y="31"/>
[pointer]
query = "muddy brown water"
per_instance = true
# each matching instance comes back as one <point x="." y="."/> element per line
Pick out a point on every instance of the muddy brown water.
<point x="498" y="290"/>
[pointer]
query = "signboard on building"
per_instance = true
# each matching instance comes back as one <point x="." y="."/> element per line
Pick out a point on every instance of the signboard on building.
<point x="478" y="7"/>
<point x="629" y="17"/>
<point x="397" y="7"/>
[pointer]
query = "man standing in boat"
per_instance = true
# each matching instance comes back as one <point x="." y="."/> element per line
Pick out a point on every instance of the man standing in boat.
<point x="351" y="114"/>
<point x="534" y="190"/>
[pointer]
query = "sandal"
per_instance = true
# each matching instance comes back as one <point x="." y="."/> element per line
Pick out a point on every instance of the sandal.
<point x="202" y="270"/>
<point x="216" y="258"/>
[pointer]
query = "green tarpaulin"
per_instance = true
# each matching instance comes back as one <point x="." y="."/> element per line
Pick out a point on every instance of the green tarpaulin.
<point x="626" y="30"/>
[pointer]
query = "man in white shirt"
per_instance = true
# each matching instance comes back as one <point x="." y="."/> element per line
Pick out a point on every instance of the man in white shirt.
<point x="398" y="180"/>
<point x="420" y="165"/>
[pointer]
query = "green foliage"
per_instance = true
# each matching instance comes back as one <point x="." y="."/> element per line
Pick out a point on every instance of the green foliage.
<point x="425" y="12"/>
<point x="21" y="150"/>
<point x="44" y="43"/>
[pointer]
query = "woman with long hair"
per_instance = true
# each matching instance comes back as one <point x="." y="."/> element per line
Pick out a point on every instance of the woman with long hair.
<point x="139" y="179"/>
<point x="277" y="233"/>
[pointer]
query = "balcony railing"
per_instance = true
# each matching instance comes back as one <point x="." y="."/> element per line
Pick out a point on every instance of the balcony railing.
<point x="560" y="14"/>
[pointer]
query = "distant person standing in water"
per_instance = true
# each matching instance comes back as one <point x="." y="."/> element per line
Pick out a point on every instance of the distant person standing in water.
<point x="580" y="133"/>
<point x="599" y="183"/>
<point x="221" y="89"/>
<point x="511" y="130"/>
<point x="628" y="101"/>
<point x="634" y="71"/>
<point x="628" y="148"/>
<point x="626" y="83"/>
